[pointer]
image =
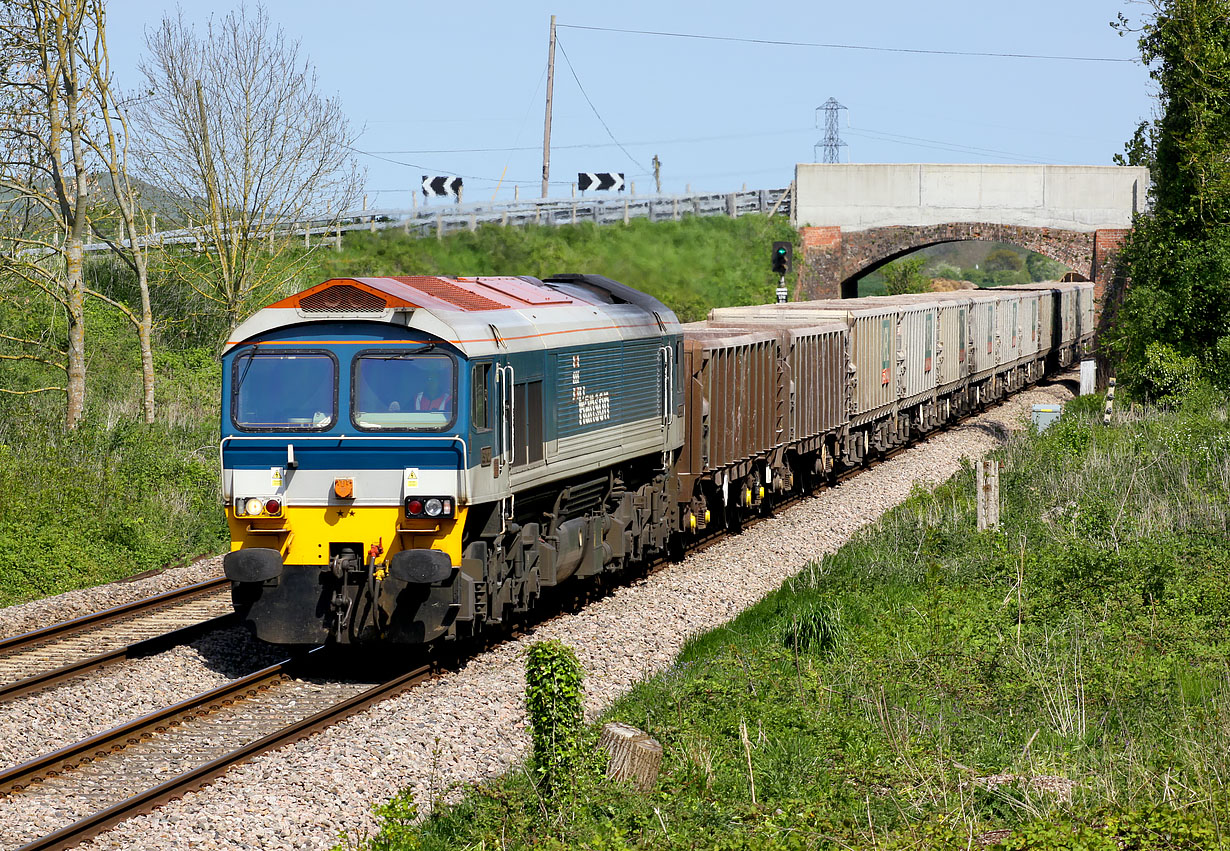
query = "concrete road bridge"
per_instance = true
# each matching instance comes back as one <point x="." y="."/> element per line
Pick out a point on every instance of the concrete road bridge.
<point x="854" y="218"/>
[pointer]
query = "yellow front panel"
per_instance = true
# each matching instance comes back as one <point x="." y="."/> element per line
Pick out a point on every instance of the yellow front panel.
<point x="303" y="535"/>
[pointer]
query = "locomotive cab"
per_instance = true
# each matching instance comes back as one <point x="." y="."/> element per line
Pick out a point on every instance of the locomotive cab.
<point x="344" y="455"/>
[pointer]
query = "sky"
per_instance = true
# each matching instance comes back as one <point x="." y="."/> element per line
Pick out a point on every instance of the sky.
<point x="458" y="88"/>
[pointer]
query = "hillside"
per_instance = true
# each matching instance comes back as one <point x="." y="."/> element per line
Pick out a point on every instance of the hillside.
<point x="691" y="265"/>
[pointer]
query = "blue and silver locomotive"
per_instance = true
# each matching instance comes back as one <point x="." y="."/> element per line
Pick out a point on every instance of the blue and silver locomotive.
<point x="414" y="457"/>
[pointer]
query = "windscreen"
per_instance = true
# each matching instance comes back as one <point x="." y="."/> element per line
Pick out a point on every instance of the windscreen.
<point x="404" y="391"/>
<point x="282" y="390"/>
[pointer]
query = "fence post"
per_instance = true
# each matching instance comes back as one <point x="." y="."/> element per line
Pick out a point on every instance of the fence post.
<point x="625" y="211"/>
<point x="439" y="225"/>
<point x="732" y="206"/>
<point x="574" y="207"/>
<point x="986" y="483"/>
<point x="307" y="234"/>
<point x="473" y="222"/>
<point x="675" y="208"/>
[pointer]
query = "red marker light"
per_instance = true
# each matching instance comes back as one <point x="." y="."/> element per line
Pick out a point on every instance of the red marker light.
<point x="273" y="506"/>
<point x="414" y="506"/>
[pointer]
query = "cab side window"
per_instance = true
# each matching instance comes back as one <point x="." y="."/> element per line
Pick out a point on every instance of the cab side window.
<point x="479" y="409"/>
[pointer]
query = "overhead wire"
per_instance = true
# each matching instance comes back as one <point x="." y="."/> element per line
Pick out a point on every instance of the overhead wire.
<point x="609" y="144"/>
<point x="520" y="129"/>
<point x="940" y="144"/>
<point x="934" y="144"/>
<point x="861" y="47"/>
<point x="568" y="61"/>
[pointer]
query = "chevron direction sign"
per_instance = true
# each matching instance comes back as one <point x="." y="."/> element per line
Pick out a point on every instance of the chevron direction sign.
<point x="441" y="186"/>
<point x="600" y="180"/>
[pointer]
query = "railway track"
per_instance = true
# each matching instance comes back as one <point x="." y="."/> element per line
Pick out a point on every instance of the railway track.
<point x="42" y="658"/>
<point x="133" y="768"/>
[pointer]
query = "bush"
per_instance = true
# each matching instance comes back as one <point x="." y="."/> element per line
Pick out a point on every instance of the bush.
<point x="553" y="702"/>
<point x="1166" y="376"/>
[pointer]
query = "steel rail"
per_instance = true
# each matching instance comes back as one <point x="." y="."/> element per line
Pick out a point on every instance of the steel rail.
<point x="80" y="624"/>
<point x="138" y="649"/>
<point x="105" y="743"/>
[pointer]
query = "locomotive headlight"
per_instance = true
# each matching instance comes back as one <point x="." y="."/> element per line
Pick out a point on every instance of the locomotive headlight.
<point x="252" y="506"/>
<point x="433" y="508"/>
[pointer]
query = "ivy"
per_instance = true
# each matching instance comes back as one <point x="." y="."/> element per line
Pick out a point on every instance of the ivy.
<point x="553" y="701"/>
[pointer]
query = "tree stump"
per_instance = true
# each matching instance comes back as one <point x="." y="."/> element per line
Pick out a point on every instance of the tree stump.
<point x="635" y="756"/>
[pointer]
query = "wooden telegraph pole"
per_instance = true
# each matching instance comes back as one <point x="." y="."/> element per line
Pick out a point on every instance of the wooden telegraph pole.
<point x="546" y="132"/>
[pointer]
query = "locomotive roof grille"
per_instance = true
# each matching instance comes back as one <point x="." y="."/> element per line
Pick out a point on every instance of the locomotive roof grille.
<point x="342" y="298"/>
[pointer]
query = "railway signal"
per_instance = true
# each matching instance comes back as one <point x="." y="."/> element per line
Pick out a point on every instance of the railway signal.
<point x="783" y="258"/>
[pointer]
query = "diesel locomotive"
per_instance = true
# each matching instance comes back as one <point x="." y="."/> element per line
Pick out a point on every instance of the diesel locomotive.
<point x="407" y="459"/>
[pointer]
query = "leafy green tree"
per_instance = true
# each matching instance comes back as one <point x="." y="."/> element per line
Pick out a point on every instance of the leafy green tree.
<point x="905" y="276"/>
<point x="1178" y="257"/>
<point x="1043" y="268"/>
<point x="1141" y="149"/>
<point x="1004" y="259"/>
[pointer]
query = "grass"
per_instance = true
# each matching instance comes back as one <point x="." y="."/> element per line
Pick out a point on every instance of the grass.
<point x="1059" y="683"/>
<point x="114" y="497"/>
<point x="692" y="265"/>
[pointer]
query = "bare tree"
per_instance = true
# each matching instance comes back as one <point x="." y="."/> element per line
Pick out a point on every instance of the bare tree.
<point x="109" y="143"/>
<point x="43" y="177"/>
<point x="234" y="128"/>
<point x="63" y="176"/>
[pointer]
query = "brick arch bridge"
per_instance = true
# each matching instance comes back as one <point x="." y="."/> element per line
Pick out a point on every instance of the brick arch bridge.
<point x="834" y="260"/>
<point x="853" y="218"/>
